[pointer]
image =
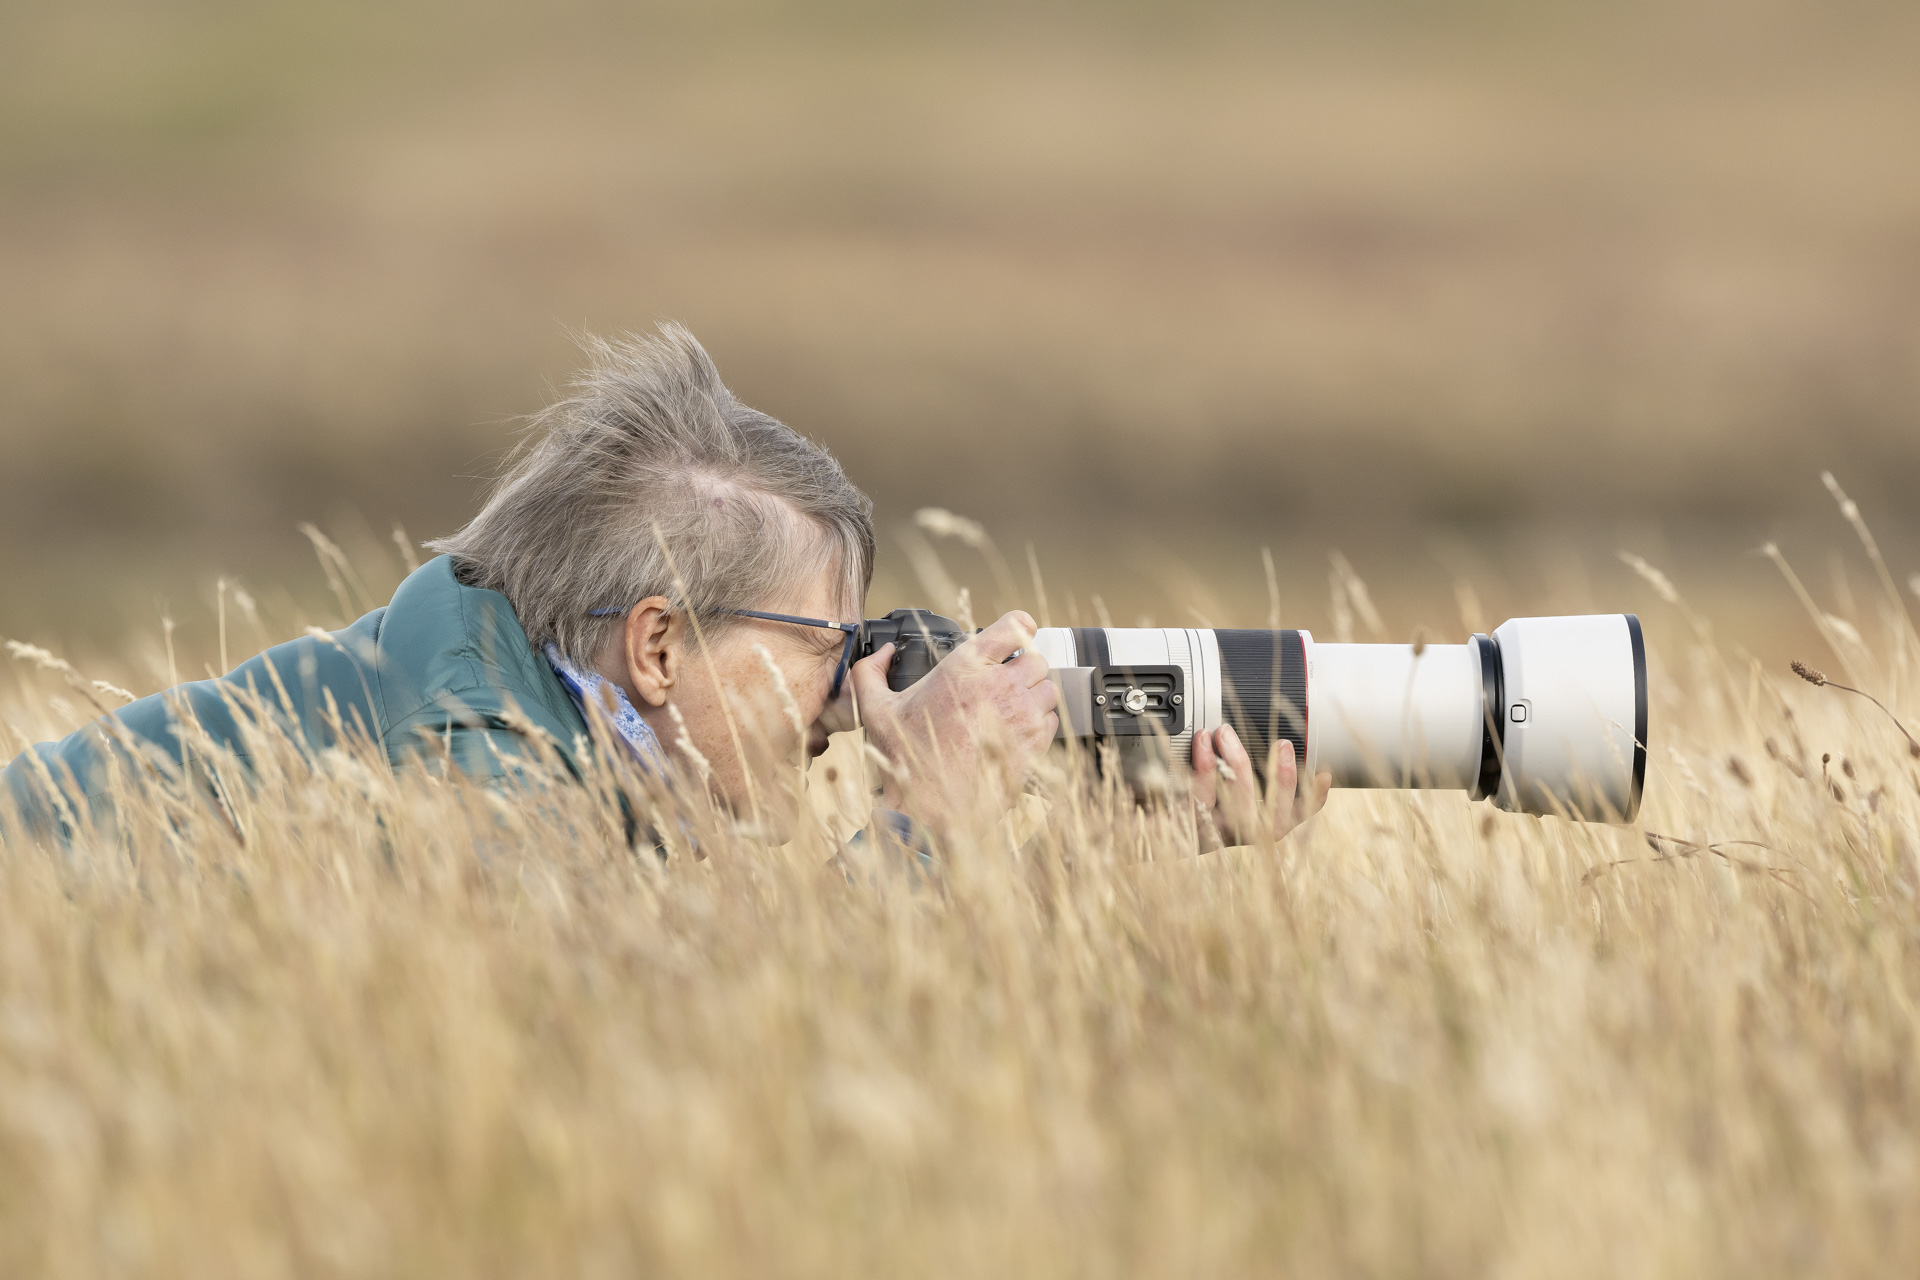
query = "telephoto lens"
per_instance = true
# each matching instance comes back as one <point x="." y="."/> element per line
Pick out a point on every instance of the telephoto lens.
<point x="1545" y="716"/>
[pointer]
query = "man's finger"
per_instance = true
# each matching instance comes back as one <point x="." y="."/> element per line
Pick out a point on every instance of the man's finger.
<point x="1030" y="668"/>
<point x="1045" y="694"/>
<point x="1203" y="769"/>
<point x="1233" y="754"/>
<point x="869" y="678"/>
<point x="998" y="642"/>
<point x="1239" y="789"/>
<point x="1283" y="777"/>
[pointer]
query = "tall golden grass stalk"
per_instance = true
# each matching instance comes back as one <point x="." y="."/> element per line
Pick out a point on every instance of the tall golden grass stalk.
<point x="348" y="1023"/>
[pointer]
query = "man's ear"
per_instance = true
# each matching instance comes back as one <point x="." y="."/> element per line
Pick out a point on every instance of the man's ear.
<point x="653" y="648"/>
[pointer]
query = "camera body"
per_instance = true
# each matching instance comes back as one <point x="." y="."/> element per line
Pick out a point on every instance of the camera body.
<point x="920" y="638"/>
<point x="1544" y="716"/>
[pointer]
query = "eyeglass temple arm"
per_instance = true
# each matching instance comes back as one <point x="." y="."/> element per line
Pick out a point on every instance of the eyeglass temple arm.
<point x="849" y="627"/>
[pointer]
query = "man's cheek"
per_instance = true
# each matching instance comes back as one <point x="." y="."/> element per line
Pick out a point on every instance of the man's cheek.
<point x="763" y="721"/>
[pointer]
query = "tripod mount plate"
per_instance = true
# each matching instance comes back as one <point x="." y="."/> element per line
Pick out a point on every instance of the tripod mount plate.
<point x="1122" y="702"/>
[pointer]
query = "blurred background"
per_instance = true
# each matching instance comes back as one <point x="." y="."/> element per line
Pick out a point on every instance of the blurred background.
<point x="1476" y="295"/>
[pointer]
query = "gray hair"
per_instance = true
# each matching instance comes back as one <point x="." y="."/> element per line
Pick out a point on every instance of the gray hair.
<point x="650" y="479"/>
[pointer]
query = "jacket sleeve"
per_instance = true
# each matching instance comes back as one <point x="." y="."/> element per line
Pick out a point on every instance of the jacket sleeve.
<point x="56" y="787"/>
<point x="34" y="792"/>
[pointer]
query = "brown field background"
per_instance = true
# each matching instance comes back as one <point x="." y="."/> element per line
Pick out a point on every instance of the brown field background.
<point x="1477" y="296"/>
<point x="1489" y="292"/>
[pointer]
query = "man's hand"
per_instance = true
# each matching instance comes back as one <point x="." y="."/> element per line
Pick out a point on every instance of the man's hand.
<point x="960" y="740"/>
<point x="1227" y="794"/>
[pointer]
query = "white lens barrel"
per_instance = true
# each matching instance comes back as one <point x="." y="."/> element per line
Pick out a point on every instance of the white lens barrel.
<point x="1384" y="715"/>
<point x="1055" y="644"/>
<point x="1195" y="651"/>
<point x="1546" y="716"/>
<point x="1575" y="731"/>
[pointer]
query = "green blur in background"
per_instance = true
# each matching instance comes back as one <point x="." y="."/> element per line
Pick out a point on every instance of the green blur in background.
<point x="1476" y="292"/>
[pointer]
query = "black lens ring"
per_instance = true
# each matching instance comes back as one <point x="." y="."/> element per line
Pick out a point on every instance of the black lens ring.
<point x="1639" y="716"/>
<point x="1493" y="727"/>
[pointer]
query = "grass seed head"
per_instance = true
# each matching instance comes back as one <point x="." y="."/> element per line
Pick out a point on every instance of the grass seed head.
<point x="945" y="524"/>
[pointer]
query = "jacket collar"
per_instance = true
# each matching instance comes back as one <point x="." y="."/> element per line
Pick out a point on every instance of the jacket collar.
<point x="462" y="648"/>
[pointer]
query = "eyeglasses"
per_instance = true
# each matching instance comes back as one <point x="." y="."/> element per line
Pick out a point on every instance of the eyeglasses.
<point x="846" y="651"/>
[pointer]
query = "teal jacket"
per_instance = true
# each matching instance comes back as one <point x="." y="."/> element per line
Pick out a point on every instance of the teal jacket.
<point x="444" y="670"/>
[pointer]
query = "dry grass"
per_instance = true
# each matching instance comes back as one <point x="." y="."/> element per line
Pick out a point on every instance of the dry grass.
<point x="392" y="1027"/>
<point x="1226" y="277"/>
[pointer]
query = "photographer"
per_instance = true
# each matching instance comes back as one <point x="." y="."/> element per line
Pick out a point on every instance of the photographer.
<point x="666" y="558"/>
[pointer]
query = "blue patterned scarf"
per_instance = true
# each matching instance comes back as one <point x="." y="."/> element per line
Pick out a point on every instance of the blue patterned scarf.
<point x="609" y="701"/>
